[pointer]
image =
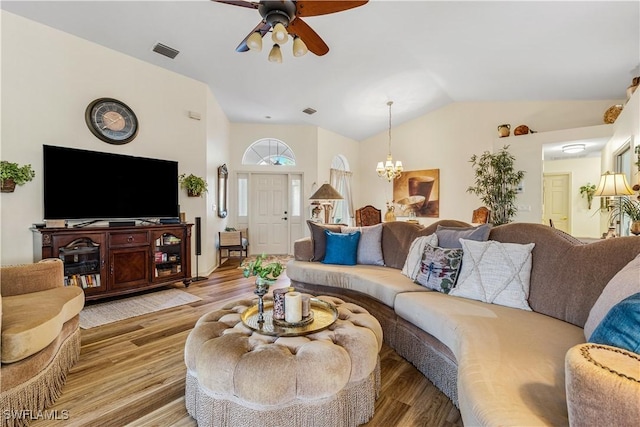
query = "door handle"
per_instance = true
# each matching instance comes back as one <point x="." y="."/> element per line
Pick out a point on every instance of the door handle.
<point x="285" y="218"/>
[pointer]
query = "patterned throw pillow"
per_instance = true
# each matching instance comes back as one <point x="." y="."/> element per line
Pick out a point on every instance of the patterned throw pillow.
<point x="494" y="272"/>
<point x="341" y="248"/>
<point x="370" y="245"/>
<point x="411" y="266"/>
<point x="439" y="268"/>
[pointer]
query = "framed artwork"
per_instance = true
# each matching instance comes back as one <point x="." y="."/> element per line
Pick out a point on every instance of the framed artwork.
<point x="417" y="193"/>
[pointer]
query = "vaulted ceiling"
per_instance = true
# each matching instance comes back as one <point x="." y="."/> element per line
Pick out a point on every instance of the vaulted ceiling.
<point x="422" y="55"/>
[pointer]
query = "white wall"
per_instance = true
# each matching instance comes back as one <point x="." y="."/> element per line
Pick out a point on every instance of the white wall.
<point x="445" y="139"/>
<point x="585" y="222"/>
<point x="48" y="79"/>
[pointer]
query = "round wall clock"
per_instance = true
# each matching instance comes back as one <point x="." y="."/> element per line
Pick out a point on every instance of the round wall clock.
<point x="111" y="120"/>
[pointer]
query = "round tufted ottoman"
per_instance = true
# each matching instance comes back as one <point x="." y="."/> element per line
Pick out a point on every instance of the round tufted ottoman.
<point x="238" y="377"/>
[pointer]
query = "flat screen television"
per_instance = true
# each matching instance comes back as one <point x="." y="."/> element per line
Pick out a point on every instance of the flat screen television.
<point x="90" y="185"/>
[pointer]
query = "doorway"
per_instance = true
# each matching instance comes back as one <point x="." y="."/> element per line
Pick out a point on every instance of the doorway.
<point x="556" y="196"/>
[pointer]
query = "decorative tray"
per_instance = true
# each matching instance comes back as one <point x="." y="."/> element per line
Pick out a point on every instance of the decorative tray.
<point x="324" y="314"/>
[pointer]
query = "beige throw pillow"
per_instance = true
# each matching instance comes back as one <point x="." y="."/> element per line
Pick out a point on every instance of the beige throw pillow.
<point x="494" y="272"/>
<point x="411" y="267"/>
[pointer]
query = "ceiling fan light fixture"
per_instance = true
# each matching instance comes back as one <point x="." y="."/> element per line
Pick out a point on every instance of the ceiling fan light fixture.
<point x="276" y="54"/>
<point x="299" y="47"/>
<point x="279" y="35"/>
<point x="254" y="42"/>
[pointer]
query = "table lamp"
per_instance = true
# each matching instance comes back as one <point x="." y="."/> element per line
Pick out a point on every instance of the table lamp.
<point x="325" y="195"/>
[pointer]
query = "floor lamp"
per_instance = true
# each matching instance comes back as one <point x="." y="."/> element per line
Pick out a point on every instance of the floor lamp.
<point x="325" y="195"/>
<point x="612" y="185"/>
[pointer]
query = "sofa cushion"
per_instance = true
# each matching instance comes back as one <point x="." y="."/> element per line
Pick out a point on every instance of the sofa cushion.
<point x="449" y="237"/>
<point x="319" y="239"/>
<point x="621" y="326"/>
<point x="341" y="248"/>
<point x="381" y="283"/>
<point x="510" y="361"/>
<point x="567" y="276"/>
<point x="439" y="268"/>
<point x="370" y="244"/>
<point x="494" y="272"/>
<point x="625" y="283"/>
<point x="30" y="322"/>
<point x="398" y="235"/>
<point x="411" y="267"/>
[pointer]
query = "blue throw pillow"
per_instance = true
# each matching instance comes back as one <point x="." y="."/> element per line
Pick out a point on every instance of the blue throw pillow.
<point x="621" y="326"/>
<point x="341" y="248"/>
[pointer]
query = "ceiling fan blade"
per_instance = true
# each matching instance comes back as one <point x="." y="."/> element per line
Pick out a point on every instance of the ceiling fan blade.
<point x="263" y="27"/>
<point x="241" y="3"/>
<point x="313" y="41"/>
<point x="323" y="7"/>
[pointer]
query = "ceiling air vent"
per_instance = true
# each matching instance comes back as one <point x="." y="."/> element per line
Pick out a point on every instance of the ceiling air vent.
<point x="309" y="111"/>
<point x="167" y="51"/>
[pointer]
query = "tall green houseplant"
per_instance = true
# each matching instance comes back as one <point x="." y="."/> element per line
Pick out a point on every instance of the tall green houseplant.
<point x="496" y="181"/>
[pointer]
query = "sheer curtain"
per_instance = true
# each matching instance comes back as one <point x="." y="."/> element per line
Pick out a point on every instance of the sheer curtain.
<point x="342" y="209"/>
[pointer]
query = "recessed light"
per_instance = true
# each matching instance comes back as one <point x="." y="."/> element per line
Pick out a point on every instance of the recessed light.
<point x="573" y="148"/>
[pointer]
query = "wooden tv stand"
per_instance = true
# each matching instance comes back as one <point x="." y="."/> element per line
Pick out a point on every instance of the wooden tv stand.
<point x="110" y="261"/>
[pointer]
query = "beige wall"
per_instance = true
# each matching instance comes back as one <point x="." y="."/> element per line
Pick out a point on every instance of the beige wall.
<point x="48" y="79"/>
<point x="445" y="139"/>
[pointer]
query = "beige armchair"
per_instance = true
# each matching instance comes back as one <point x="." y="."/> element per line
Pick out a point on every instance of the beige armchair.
<point x="40" y="338"/>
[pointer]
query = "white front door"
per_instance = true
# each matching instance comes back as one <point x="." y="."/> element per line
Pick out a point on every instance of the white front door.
<point x="556" y="201"/>
<point x="269" y="214"/>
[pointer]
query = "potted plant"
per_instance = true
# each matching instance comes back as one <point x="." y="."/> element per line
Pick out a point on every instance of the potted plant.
<point x="265" y="272"/>
<point x="11" y="174"/>
<point x="625" y="206"/>
<point x="496" y="181"/>
<point x="266" y="275"/>
<point x="194" y="185"/>
<point x="588" y="190"/>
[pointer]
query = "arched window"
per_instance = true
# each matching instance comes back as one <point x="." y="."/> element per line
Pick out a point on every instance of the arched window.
<point x="340" y="177"/>
<point x="269" y="151"/>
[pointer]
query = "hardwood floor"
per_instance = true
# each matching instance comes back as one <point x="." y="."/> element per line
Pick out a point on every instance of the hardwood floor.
<point x="132" y="372"/>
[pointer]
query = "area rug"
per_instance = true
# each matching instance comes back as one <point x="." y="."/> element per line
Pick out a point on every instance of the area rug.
<point x="137" y="305"/>
<point x="282" y="259"/>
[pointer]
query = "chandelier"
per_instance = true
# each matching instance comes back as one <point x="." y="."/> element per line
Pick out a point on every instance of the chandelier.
<point x="387" y="169"/>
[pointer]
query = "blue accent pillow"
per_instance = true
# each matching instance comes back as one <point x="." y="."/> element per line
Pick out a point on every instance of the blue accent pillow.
<point x="621" y="326"/>
<point x="341" y="248"/>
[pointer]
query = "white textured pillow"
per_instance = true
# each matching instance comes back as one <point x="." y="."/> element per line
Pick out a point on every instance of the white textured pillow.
<point x="494" y="272"/>
<point x="370" y="244"/>
<point x="411" y="267"/>
<point x="624" y="284"/>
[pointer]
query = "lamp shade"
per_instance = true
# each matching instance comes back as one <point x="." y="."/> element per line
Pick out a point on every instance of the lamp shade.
<point x="326" y="192"/>
<point x="299" y="47"/>
<point x="275" y="55"/>
<point x="279" y="34"/>
<point x="613" y="184"/>
<point x="254" y="42"/>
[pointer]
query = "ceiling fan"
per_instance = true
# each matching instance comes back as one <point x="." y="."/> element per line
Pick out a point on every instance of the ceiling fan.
<point x="284" y="18"/>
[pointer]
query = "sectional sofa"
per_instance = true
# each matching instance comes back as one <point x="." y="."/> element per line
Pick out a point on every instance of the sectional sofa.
<point x="500" y="365"/>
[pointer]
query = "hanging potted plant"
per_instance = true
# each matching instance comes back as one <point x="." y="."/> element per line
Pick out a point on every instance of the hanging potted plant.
<point x="588" y="190"/>
<point x="11" y="174"/>
<point x="194" y="185"/>
<point x="496" y="181"/>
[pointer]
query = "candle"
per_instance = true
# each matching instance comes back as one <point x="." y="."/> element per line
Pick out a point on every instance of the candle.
<point x="306" y="306"/>
<point x="293" y="307"/>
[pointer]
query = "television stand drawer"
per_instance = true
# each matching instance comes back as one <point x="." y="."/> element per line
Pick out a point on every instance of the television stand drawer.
<point x="129" y="239"/>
